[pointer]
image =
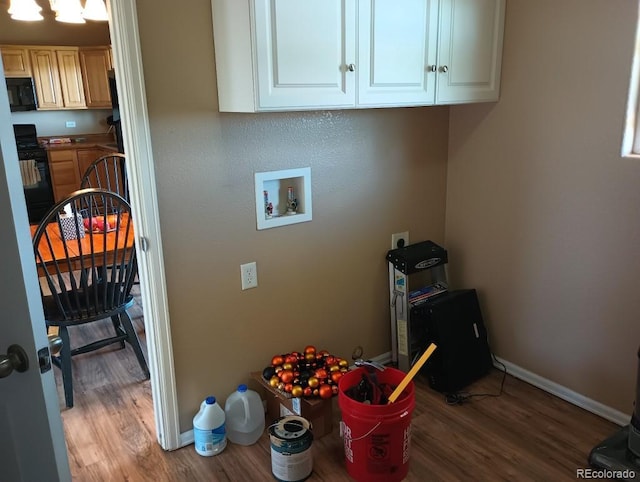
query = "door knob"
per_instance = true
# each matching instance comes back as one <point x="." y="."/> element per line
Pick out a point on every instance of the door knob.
<point x="351" y="67"/>
<point x="444" y="69"/>
<point x="55" y="344"/>
<point x="431" y="68"/>
<point x="15" y="359"/>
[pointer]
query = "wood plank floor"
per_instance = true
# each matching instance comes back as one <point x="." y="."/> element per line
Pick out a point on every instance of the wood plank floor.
<point x="525" y="434"/>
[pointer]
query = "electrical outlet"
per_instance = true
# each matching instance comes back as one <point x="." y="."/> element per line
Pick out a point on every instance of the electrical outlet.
<point x="399" y="240"/>
<point x="70" y="123"/>
<point x="249" y="275"/>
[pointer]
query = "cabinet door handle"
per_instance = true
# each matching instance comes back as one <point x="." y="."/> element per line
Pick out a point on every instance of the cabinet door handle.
<point x="444" y="69"/>
<point x="432" y="68"/>
<point x="351" y="67"/>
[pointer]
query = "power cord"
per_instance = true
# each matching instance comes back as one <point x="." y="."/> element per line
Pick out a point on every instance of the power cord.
<point x="458" y="398"/>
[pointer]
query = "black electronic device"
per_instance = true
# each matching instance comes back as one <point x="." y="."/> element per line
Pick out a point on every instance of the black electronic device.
<point x="453" y="321"/>
<point x="417" y="257"/>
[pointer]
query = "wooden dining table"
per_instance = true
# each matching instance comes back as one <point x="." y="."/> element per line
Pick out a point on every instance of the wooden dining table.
<point x="102" y="246"/>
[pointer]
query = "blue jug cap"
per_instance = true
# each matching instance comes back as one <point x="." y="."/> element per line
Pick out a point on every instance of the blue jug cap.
<point x="242" y="388"/>
<point x="210" y="400"/>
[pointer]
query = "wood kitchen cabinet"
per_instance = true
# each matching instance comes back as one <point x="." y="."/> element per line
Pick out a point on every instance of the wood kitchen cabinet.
<point x="58" y="78"/>
<point x="16" y="61"/>
<point x="96" y="63"/>
<point x="65" y="177"/>
<point x="67" y="166"/>
<point x="289" y="55"/>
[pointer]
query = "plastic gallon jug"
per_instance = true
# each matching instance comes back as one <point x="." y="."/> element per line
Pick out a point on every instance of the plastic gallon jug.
<point x="244" y="416"/>
<point x="209" y="432"/>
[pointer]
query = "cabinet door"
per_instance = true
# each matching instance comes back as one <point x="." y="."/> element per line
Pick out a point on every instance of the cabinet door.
<point x="303" y="53"/>
<point x="63" y="166"/>
<point x="71" y="78"/>
<point x="16" y="62"/>
<point x="47" y="79"/>
<point x="87" y="156"/>
<point x="396" y="49"/>
<point x="96" y="64"/>
<point x="470" y="50"/>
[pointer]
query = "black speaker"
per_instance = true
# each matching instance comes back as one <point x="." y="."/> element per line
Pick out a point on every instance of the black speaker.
<point x="453" y="322"/>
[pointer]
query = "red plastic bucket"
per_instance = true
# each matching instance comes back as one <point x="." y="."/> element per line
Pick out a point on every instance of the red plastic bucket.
<point x="377" y="438"/>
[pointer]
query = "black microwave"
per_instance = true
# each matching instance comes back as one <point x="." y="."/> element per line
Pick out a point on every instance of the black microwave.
<point x="22" y="95"/>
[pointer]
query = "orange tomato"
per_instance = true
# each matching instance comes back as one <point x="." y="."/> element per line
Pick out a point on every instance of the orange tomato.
<point x="310" y="349"/>
<point x="335" y="376"/>
<point x="277" y="360"/>
<point x="321" y="373"/>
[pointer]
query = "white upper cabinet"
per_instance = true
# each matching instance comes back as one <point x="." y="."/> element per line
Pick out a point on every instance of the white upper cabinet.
<point x="396" y="42"/>
<point x="469" y="51"/>
<point x="282" y="55"/>
<point x="303" y="49"/>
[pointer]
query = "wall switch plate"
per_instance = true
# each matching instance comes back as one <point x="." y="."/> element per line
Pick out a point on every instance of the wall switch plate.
<point x="249" y="275"/>
<point x="399" y="240"/>
<point x="70" y="123"/>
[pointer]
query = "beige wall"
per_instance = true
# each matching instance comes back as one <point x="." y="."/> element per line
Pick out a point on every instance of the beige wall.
<point x="374" y="172"/>
<point x="542" y="212"/>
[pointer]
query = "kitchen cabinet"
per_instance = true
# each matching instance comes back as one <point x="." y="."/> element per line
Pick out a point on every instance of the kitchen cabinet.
<point x="15" y="61"/>
<point x="65" y="177"/>
<point x="281" y="55"/>
<point x="67" y="166"/>
<point x="469" y="51"/>
<point x="57" y="77"/>
<point x="96" y="63"/>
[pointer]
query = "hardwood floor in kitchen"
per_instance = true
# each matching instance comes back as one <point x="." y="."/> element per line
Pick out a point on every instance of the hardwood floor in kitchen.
<point x="524" y="434"/>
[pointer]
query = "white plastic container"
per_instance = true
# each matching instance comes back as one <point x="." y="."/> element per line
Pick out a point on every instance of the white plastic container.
<point x="244" y="416"/>
<point x="209" y="432"/>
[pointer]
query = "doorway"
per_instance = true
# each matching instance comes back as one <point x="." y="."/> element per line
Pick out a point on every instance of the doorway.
<point x="126" y="53"/>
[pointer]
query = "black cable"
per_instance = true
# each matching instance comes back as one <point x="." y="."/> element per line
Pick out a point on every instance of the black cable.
<point x="458" y="398"/>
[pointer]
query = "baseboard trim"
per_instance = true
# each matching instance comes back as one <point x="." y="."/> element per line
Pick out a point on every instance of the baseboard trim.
<point x="564" y="393"/>
<point x="186" y="438"/>
<point x="553" y="388"/>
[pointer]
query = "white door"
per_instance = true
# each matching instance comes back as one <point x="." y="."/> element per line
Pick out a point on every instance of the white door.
<point x="396" y="52"/>
<point x="303" y="53"/>
<point x="32" y="444"/>
<point x="470" y="50"/>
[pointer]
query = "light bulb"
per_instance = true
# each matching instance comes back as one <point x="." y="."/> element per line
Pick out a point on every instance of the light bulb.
<point x="69" y="11"/>
<point x="26" y="10"/>
<point x="95" y="10"/>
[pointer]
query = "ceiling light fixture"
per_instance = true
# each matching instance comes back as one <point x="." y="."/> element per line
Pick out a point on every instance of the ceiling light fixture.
<point x="26" y="10"/>
<point x="95" y="10"/>
<point x="68" y="11"/>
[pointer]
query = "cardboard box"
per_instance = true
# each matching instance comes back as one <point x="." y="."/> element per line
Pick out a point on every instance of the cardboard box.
<point x="318" y="411"/>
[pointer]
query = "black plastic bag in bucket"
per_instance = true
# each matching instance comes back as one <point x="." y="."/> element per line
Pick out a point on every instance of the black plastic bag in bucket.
<point x="377" y="438"/>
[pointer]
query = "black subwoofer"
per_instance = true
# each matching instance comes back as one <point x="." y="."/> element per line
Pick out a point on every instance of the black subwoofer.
<point x="453" y="321"/>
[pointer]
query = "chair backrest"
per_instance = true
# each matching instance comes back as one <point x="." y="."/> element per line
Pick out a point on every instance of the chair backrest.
<point x="86" y="257"/>
<point x="107" y="172"/>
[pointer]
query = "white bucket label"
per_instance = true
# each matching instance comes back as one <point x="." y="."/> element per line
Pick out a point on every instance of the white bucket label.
<point x="288" y="466"/>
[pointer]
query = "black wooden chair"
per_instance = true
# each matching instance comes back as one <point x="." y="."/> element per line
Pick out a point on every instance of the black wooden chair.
<point x="86" y="274"/>
<point x="107" y="172"/>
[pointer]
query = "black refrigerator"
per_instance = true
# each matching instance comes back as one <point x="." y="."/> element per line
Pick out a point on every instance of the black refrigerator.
<point x="114" y="120"/>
